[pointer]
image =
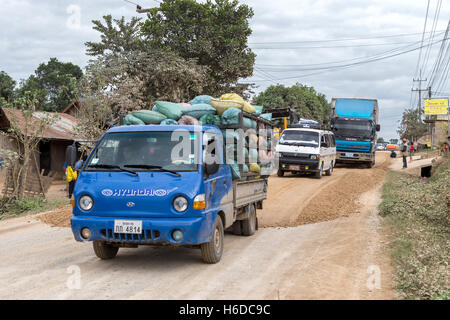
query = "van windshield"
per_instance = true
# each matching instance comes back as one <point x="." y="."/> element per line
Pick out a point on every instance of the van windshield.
<point x="145" y="151"/>
<point x="300" y="138"/>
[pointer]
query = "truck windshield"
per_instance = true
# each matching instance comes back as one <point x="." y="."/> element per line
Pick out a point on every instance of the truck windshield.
<point x="300" y="138"/>
<point x="353" y="128"/>
<point x="144" y="151"/>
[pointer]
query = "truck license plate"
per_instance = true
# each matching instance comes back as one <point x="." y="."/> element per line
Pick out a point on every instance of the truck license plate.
<point x="349" y="155"/>
<point x="127" y="227"/>
<point x="295" y="168"/>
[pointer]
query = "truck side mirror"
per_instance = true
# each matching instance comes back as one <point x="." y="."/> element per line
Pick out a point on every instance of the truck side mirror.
<point x="78" y="165"/>
<point x="71" y="155"/>
<point x="212" y="168"/>
<point x="378" y="128"/>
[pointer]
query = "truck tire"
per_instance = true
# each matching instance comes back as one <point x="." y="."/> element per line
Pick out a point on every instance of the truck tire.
<point x="280" y="173"/>
<point x="212" y="251"/>
<point x="249" y="225"/>
<point x="105" y="251"/>
<point x="237" y="228"/>
<point x="319" y="173"/>
<point x="329" y="172"/>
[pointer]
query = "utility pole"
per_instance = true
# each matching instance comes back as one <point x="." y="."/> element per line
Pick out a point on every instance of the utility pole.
<point x="420" y="90"/>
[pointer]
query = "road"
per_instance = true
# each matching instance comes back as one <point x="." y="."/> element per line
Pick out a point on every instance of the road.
<point x="318" y="239"/>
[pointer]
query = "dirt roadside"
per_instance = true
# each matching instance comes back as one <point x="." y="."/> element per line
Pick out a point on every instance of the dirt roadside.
<point x="287" y="259"/>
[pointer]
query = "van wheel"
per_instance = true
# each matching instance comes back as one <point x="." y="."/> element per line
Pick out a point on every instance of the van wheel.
<point x="249" y="225"/>
<point x="105" y="251"/>
<point x="319" y="173"/>
<point x="212" y="251"/>
<point x="329" y="172"/>
<point x="280" y="173"/>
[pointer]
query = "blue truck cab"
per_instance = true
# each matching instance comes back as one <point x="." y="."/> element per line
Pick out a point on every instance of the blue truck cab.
<point x="354" y="123"/>
<point x="157" y="185"/>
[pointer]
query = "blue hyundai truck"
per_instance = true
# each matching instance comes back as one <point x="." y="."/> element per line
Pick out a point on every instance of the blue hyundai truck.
<point x="355" y="125"/>
<point x="137" y="188"/>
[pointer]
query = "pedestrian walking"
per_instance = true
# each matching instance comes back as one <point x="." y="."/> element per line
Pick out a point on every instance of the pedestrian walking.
<point x="404" y="150"/>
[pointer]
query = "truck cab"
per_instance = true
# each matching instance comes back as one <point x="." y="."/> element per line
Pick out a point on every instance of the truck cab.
<point x="305" y="149"/>
<point x="161" y="185"/>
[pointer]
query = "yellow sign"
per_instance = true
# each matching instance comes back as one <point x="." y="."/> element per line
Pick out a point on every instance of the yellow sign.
<point x="434" y="107"/>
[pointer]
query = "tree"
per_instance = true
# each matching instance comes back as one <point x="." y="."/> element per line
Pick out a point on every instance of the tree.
<point x="393" y="141"/>
<point x="25" y="131"/>
<point x="60" y="80"/>
<point x="380" y="140"/>
<point x="7" y="85"/>
<point x="305" y="100"/>
<point x="214" y="33"/>
<point x="411" y="126"/>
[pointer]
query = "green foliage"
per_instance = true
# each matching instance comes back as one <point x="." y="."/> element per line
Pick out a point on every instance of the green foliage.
<point x="380" y="140"/>
<point x="418" y="216"/>
<point x="7" y="85"/>
<point x="415" y="128"/>
<point x="28" y="205"/>
<point x="305" y="100"/>
<point x="214" y="33"/>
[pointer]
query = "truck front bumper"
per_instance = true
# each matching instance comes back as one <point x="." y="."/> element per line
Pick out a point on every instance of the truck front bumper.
<point x="354" y="157"/>
<point x="306" y="165"/>
<point x="155" y="230"/>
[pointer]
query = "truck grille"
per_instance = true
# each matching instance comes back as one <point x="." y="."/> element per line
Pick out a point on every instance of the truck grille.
<point x="343" y="147"/>
<point x="145" y="236"/>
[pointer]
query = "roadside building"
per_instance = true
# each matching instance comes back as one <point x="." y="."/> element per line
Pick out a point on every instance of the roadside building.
<point x="48" y="161"/>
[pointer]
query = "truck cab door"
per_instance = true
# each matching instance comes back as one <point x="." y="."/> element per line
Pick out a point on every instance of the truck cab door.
<point x="218" y="185"/>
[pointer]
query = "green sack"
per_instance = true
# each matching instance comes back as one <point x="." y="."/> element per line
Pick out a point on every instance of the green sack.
<point x="149" y="117"/>
<point x="259" y="109"/>
<point x="231" y="116"/>
<point x="236" y="173"/>
<point x="169" y="109"/>
<point x="169" y="122"/>
<point x="132" y="120"/>
<point x="211" y="119"/>
<point x="199" y="110"/>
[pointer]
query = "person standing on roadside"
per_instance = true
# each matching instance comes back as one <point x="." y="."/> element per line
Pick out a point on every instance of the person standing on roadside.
<point x="411" y="152"/>
<point x="404" y="151"/>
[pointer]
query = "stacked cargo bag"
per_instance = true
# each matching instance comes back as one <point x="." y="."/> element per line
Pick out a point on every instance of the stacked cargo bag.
<point x="132" y="120"/>
<point x="259" y="110"/>
<point x="188" y="121"/>
<point x="170" y="110"/>
<point x="211" y="119"/>
<point x="266" y="116"/>
<point x="231" y="116"/>
<point x="204" y="99"/>
<point x="149" y="117"/>
<point x="223" y="105"/>
<point x="198" y="110"/>
<point x="235" y="97"/>
<point x="169" y="122"/>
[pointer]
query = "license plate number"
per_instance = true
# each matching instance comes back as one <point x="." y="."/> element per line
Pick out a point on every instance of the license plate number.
<point x="349" y="155"/>
<point x="128" y="227"/>
<point x="296" y="168"/>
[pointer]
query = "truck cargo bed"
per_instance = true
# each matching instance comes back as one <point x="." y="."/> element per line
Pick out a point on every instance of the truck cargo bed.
<point x="246" y="192"/>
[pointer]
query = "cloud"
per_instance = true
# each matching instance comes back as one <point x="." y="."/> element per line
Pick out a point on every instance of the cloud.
<point x="33" y="31"/>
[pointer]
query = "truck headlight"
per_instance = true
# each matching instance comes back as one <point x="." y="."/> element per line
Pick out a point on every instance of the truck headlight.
<point x="180" y="204"/>
<point x="86" y="203"/>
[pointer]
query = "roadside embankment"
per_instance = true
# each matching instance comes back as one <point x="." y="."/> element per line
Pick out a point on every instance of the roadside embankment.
<point x="418" y="221"/>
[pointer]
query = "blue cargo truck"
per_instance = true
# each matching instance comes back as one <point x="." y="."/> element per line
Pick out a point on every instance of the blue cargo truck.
<point x="355" y="126"/>
<point x="133" y="191"/>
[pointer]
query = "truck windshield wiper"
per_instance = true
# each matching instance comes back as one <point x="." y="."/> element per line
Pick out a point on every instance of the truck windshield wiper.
<point x="108" y="166"/>
<point x="149" y="167"/>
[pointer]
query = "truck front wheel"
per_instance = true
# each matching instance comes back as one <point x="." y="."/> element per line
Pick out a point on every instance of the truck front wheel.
<point x="105" y="251"/>
<point x="212" y="251"/>
<point x="280" y="173"/>
<point x="249" y="225"/>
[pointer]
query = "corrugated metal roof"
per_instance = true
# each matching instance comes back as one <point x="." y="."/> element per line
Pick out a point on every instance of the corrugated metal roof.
<point x="61" y="129"/>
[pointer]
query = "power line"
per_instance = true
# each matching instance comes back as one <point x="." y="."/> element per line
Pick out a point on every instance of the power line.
<point x="342" y="39"/>
<point x="423" y="36"/>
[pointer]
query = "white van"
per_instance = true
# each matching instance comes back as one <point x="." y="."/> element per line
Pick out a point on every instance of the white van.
<point x="306" y="150"/>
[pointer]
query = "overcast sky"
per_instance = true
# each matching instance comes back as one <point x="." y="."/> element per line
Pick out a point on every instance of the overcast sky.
<point x="33" y="31"/>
